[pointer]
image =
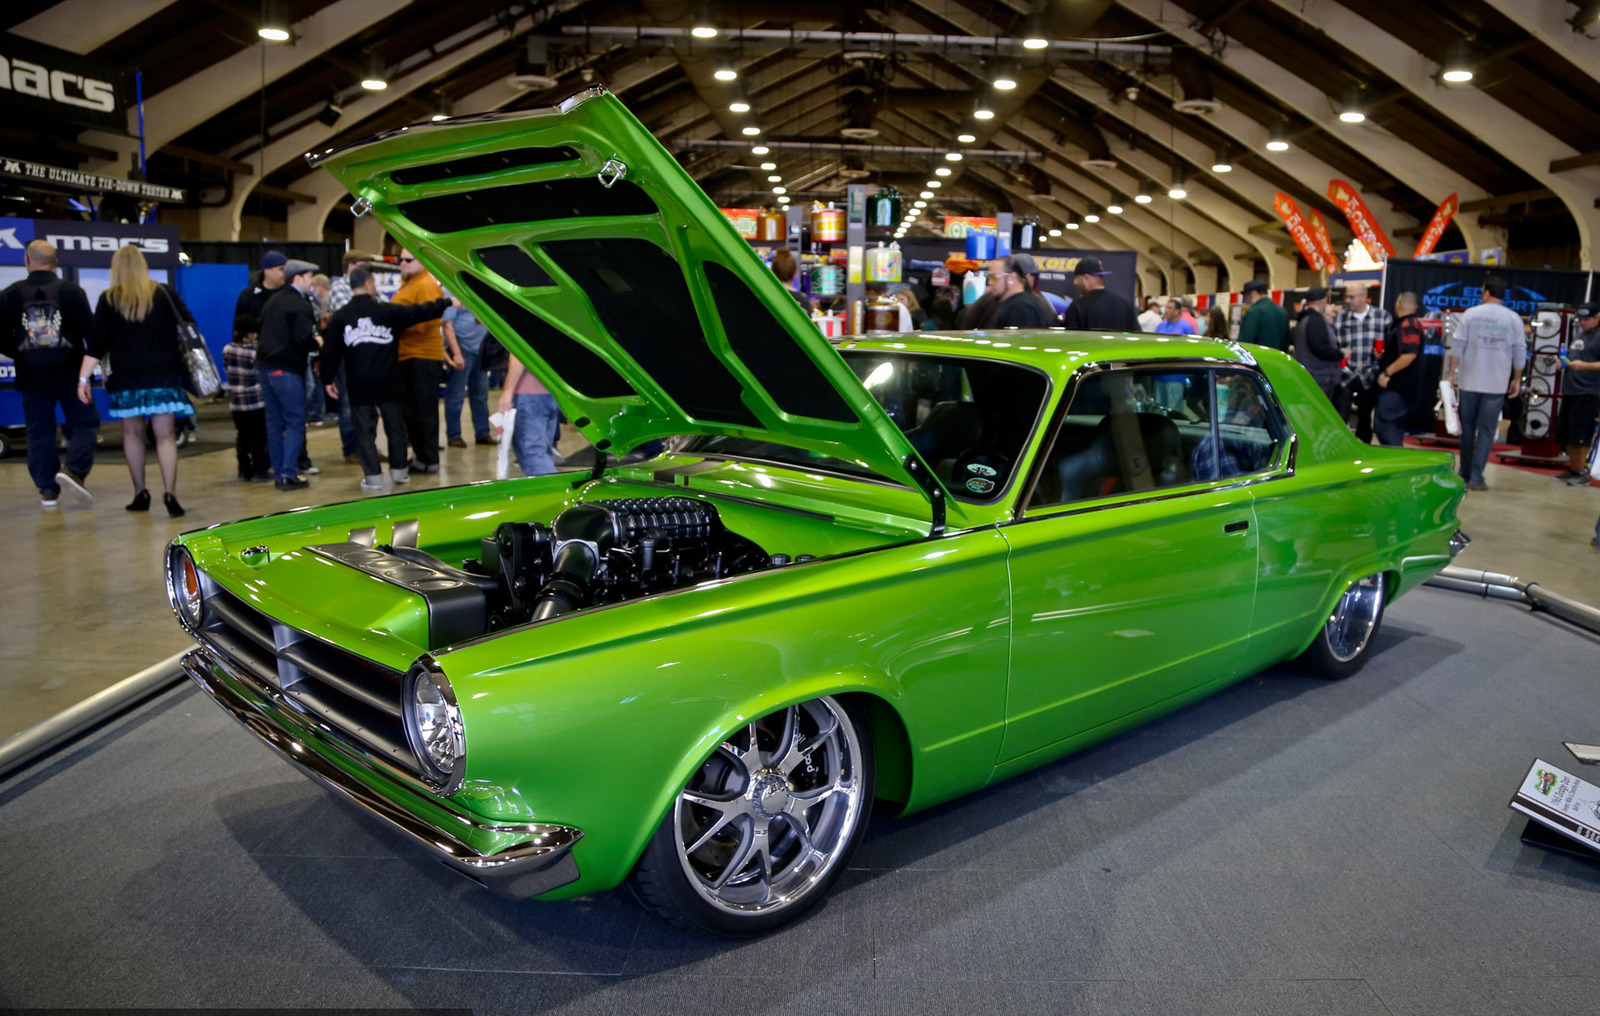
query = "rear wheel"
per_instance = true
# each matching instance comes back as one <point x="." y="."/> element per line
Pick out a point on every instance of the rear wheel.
<point x="766" y="826"/>
<point x="1345" y="641"/>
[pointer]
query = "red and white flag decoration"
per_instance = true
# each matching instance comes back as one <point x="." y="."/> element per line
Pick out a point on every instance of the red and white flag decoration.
<point x="1362" y="222"/>
<point x="1296" y="224"/>
<point x="1436" y="226"/>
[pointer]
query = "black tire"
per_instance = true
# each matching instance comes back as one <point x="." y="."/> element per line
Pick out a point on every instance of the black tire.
<point x="1344" y="641"/>
<point x="705" y="868"/>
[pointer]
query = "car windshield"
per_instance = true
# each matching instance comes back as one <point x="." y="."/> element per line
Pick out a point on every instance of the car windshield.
<point x="968" y="418"/>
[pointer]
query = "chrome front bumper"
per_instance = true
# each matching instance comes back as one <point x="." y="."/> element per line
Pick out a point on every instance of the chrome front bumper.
<point x="517" y="861"/>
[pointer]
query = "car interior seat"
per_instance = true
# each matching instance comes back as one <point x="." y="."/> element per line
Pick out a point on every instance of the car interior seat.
<point x="950" y="429"/>
<point x="1097" y="469"/>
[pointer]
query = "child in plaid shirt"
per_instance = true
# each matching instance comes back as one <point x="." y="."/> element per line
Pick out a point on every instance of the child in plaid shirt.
<point x="244" y="395"/>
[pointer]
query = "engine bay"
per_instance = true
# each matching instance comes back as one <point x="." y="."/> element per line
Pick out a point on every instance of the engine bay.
<point x="593" y="553"/>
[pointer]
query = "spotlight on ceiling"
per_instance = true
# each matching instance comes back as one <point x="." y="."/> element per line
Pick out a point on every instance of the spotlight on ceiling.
<point x="925" y="194"/>
<point x="919" y="204"/>
<point x="1221" y="163"/>
<point x="760" y="150"/>
<point x="274" y="26"/>
<point x="953" y="156"/>
<point x="1055" y="232"/>
<point x="1457" y="66"/>
<point x="1115" y="208"/>
<point x="1072" y="225"/>
<point x="1176" y="191"/>
<point x="783" y="200"/>
<point x="1350" y="111"/>
<point x="1278" y="140"/>
<point x="1143" y="197"/>
<point x="780" y="190"/>
<point x="1092" y="215"/>
<point x="1034" y="42"/>
<point x="769" y="166"/>
<point x="751" y="132"/>
<point x="739" y="106"/>
<point x="725" y="74"/>
<point x="942" y="171"/>
<point x="703" y="31"/>
<point x="1005" y="82"/>
<point x="375" y="80"/>
<point x="935" y="183"/>
<point x="272" y="33"/>
<point x="966" y="139"/>
<point x="775" y="178"/>
<point x="981" y="110"/>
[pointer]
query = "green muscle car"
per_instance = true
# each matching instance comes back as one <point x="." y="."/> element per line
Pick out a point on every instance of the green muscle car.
<point x="895" y="571"/>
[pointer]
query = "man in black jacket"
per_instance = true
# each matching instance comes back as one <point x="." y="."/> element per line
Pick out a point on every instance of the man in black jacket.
<point x="1314" y="346"/>
<point x="46" y="319"/>
<point x="362" y="336"/>
<point x="288" y="335"/>
<point x="1097" y="308"/>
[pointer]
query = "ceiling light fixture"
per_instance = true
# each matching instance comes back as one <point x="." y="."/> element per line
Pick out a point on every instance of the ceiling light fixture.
<point x="739" y="106"/>
<point x="965" y="139"/>
<point x="935" y="183"/>
<point x="1221" y="163"/>
<point x="774" y="178"/>
<point x="272" y="33"/>
<point x="1115" y="208"/>
<point x="751" y="132"/>
<point x="1093" y="214"/>
<point x="919" y="204"/>
<point x="1457" y="68"/>
<point x="703" y="31"/>
<point x="1176" y="191"/>
<point x="981" y="110"/>
<point x="1034" y="42"/>
<point x="769" y="166"/>
<point x="726" y="74"/>
<point x="274" y="26"/>
<point x="1143" y="197"/>
<point x="953" y="156"/>
<point x="1351" y="111"/>
<point x="1004" y="81"/>
<point x="760" y="150"/>
<point x="926" y="194"/>
<point x="1071" y="224"/>
<point x="1278" y="140"/>
<point x="780" y="190"/>
<point x="942" y="171"/>
<point x="783" y="200"/>
<point x="374" y="81"/>
<point x="1055" y="232"/>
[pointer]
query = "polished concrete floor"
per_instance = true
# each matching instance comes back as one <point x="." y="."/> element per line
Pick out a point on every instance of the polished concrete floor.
<point x="83" y="604"/>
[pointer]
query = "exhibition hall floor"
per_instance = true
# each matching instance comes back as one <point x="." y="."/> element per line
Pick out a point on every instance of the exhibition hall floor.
<point x="1288" y="846"/>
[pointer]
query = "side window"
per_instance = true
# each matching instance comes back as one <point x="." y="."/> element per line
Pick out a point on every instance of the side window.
<point x="1125" y="431"/>
<point x="1248" y="434"/>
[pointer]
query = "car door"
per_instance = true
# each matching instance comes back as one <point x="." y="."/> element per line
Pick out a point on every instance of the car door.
<point x="1133" y="565"/>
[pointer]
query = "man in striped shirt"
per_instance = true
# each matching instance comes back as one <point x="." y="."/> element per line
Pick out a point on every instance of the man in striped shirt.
<point x="1359" y="328"/>
<point x="244" y="398"/>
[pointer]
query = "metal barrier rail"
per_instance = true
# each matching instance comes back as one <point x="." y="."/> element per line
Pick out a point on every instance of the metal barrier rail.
<point x="20" y="749"/>
<point x="1497" y="586"/>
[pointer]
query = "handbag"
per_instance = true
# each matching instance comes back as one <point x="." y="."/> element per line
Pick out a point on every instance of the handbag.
<point x="204" y="381"/>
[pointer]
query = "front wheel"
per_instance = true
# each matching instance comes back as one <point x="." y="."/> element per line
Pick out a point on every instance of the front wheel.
<point x="766" y="826"/>
<point x="1345" y="641"/>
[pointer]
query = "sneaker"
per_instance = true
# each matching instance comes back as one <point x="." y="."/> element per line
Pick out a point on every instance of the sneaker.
<point x="312" y="470"/>
<point x="373" y="482"/>
<point x="49" y="498"/>
<point x="1569" y="473"/>
<point x="456" y="442"/>
<point x="73" y="482"/>
<point x="297" y="483"/>
<point x="399" y="476"/>
<point x="419" y="467"/>
<point x="1479" y="485"/>
<point x="1580" y="480"/>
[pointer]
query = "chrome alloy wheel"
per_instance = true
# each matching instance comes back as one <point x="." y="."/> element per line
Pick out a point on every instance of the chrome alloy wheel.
<point x="1355" y="617"/>
<point x="771" y="812"/>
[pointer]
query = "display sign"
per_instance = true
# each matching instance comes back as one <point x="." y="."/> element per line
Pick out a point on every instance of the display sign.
<point x="1561" y="803"/>
<point x="88" y="244"/>
<point x="1055" y="266"/>
<point x="1362" y="222"/>
<point x="1455" y="257"/>
<point x="1300" y="230"/>
<point x="1319" y="233"/>
<point x="1442" y="286"/>
<point x="745" y="220"/>
<point x="1436" y="226"/>
<point x="42" y="84"/>
<point x="77" y="181"/>
<point x="958" y="226"/>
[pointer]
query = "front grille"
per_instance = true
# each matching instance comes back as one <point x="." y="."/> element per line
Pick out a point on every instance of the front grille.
<point x="358" y="699"/>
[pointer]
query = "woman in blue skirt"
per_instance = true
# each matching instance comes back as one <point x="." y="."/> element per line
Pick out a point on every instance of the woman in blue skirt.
<point x="136" y="326"/>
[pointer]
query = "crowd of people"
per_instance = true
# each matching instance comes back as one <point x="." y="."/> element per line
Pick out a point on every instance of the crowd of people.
<point x="301" y="340"/>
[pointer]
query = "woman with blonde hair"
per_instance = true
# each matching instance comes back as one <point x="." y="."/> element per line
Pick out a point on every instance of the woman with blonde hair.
<point x="136" y="325"/>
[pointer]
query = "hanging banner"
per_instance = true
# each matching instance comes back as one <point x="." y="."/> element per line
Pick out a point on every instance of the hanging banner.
<point x="76" y="180"/>
<point x="1441" y="287"/>
<point x="1319" y="232"/>
<point x="1295" y="223"/>
<point x="744" y="220"/>
<point x="41" y="84"/>
<point x="958" y="226"/>
<point x="88" y="244"/>
<point x="1362" y="222"/>
<point x="1436" y="226"/>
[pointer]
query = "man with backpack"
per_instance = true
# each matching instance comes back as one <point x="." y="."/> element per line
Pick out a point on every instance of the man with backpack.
<point x="45" y="321"/>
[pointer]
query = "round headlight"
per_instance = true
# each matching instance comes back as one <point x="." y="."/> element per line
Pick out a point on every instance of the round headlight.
<point x="184" y="590"/>
<point x="433" y="726"/>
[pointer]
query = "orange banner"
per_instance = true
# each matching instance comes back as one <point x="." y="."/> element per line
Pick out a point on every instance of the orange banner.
<point x="1319" y="232"/>
<point x="958" y="226"/>
<point x="1436" y="226"/>
<point x="1362" y="222"/>
<point x="1296" y="224"/>
<point x="744" y="220"/>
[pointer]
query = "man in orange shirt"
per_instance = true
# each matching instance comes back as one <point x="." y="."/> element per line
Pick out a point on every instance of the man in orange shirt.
<point x="422" y="360"/>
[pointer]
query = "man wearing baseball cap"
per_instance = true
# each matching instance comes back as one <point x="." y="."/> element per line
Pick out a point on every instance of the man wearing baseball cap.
<point x="288" y="335"/>
<point x="1265" y="323"/>
<point x="253" y="299"/>
<point x="1097" y="308"/>
<point x="1580" y="395"/>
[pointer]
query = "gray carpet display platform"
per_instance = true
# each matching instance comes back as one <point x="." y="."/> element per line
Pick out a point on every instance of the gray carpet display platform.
<point x="1288" y="846"/>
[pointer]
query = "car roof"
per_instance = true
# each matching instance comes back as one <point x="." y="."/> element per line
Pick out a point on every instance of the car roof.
<point x="1052" y="349"/>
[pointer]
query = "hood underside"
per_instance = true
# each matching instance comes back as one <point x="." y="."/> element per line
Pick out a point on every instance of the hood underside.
<point x="596" y="259"/>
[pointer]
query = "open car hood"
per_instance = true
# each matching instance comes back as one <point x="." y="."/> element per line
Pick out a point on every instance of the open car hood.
<point x="595" y="258"/>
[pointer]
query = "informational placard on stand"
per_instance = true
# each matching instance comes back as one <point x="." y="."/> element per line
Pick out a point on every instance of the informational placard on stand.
<point x="1561" y="803"/>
